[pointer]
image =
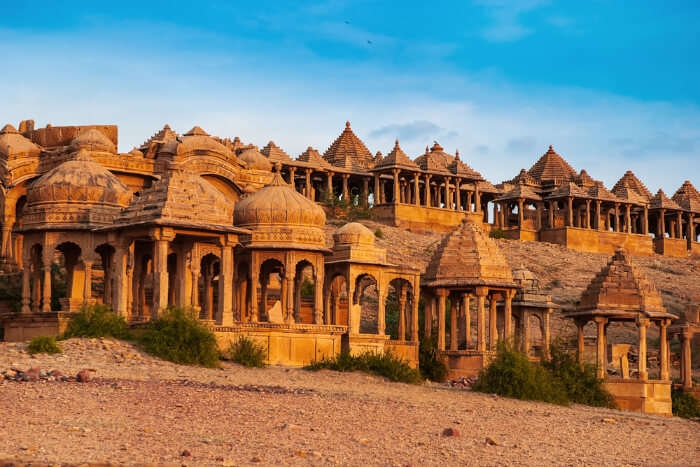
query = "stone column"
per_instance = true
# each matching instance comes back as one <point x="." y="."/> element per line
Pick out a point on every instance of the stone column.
<point x="402" y="314"/>
<point x="46" y="296"/>
<point x="26" y="292"/>
<point x="414" y="315"/>
<point x="318" y="296"/>
<point x="601" y="360"/>
<point x="377" y="199"/>
<point x="551" y="215"/>
<point x="663" y="344"/>
<point x="448" y="193"/>
<point x="645" y="221"/>
<point x="679" y="223"/>
<point x="454" y="342"/>
<point x="643" y="324"/>
<point x="580" y="346"/>
<point x="508" y="315"/>
<point x="6" y="240"/>
<point x="397" y="191"/>
<point x="588" y="213"/>
<point x="481" y="293"/>
<point x="225" y="312"/>
<point x="628" y="218"/>
<point x="686" y="364"/>
<point x="493" y="329"/>
<point x="689" y="231"/>
<point x="540" y="207"/>
<point x="307" y="187"/>
<point x="289" y="299"/>
<point x="525" y="331"/>
<point x="381" y="311"/>
<point x="521" y="214"/>
<point x="428" y="316"/>
<point x="616" y="224"/>
<point x="346" y="192"/>
<point x="160" y="276"/>
<point x="662" y="223"/>
<point x="467" y="319"/>
<point x="208" y="293"/>
<point x="469" y="201"/>
<point x="477" y="198"/>
<point x="253" y="291"/>
<point x="598" y="225"/>
<point x="416" y="189"/>
<point x="364" y="199"/>
<point x="570" y="213"/>
<point x="547" y="332"/>
<point x="458" y="194"/>
<point x="442" y="295"/>
<point x="329" y="186"/>
<point x="428" y="202"/>
<point x="87" y="285"/>
<point x="292" y="170"/>
<point x="195" y="285"/>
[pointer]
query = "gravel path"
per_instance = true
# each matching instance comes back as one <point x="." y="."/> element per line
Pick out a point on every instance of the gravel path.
<point x="141" y="410"/>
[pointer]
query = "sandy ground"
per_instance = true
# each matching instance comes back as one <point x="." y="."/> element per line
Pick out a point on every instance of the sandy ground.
<point x="142" y="410"/>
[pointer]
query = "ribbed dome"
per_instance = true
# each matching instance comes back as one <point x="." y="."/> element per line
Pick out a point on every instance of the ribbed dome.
<point x="353" y="233"/>
<point x="198" y="140"/>
<point x="78" y="192"/>
<point x="280" y="217"/>
<point x="255" y="160"/>
<point x="93" y="140"/>
<point x="79" y="180"/>
<point x="12" y="143"/>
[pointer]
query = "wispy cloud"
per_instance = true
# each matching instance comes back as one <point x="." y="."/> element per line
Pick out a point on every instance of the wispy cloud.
<point x="506" y="18"/>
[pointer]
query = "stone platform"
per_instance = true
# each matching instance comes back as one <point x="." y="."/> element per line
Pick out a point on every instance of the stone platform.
<point x="652" y="397"/>
<point x="20" y="327"/>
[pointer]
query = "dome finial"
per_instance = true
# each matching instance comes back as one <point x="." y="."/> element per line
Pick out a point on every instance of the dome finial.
<point x="550" y="148"/>
<point x="347" y="124"/>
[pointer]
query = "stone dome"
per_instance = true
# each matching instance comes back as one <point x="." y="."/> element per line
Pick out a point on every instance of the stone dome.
<point x="93" y="140"/>
<point x="353" y="233"/>
<point x="12" y="143"/>
<point x="78" y="191"/>
<point x="197" y="140"/>
<point x="280" y="217"/>
<point x="254" y="159"/>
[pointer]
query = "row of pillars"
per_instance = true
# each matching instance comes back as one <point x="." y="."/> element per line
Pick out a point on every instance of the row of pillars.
<point x="460" y="304"/>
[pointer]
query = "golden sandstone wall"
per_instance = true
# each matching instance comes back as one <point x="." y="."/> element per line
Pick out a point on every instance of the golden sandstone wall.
<point x="676" y="247"/>
<point x="594" y="241"/>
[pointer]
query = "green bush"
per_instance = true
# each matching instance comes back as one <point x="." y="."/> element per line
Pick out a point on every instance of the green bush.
<point x="497" y="233"/>
<point x="43" y="344"/>
<point x="11" y="291"/>
<point x="179" y="337"/>
<point x="97" y="321"/>
<point x="247" y="352"/>
<point x="431" y="367"/>
<point x="684" y="405"/>
<point x="581" y="383"/>
<point x="386" y="364"/>
<point x="512" y="374"/>
<point x="378" y="233"/>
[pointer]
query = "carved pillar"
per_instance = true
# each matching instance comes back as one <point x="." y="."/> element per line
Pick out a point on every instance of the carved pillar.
<point x="547" y="332"/>
<point x="364" y="199"/>
<point x="616" y="224"/>
<point x="381" y="311"/>
<point x="551" y="215"/>
<point x="46" y="296"/>
<point x="588" y="213"/>
<point x="329" y="186"/>
<point x="292" y="171"/>
<point x="441" y="296"/>
<point x="377" y="197"/>
<point x="598" y="225"/>
<point x="253" y="291"/>
<point x="540" y="208"/>
<point x="493" y="322"/>
<point x="87" y="285"/>
<point x="469" y="201"/>
<point x="628" y="218"/>
<point x="663" y="344"/>
<point x="521" y="215"/>
<point x="679" y="224"/>
<point x="477" y="197"/>
<point x="662" y="223"/>
<point x="26" y="292"/>
<point x="508" y="315"/>
<point x="160" y="276"/>
<point x="195" y="286"/>
<point x="453" y="324"/>
<point x="402" y="313"/>
<point x="601" y="361"/>
<point x="525" y="331"/>
<point x="289" y="299"/>
<point x="448" y="193"/>
<point x="225" y="308"/>
<point x="579" y="341"/>
<point x="307" y="187"/>
<point x="467" y="319"/>
<point x="6" y="240"/>
<point x="481" y="293"/>
<point x="318" y="296"/>
<point x="414" y="313"/>
<point x="570" y="212"/>
<point x="458" y="194"/>
<point x="645" y="221"/>
<point x="686" y="363"/>
<point x="643" y="324"/>
<point x="428" y="316"/>
<point x="689" y="233"/>
<point x="346" y="192"/>
<point x="428" y="201"/>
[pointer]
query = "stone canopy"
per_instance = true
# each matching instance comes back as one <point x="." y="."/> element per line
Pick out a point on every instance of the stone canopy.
<point x="468" y="257"/>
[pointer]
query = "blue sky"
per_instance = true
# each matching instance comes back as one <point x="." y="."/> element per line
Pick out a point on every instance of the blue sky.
<point x="612" y="85"/>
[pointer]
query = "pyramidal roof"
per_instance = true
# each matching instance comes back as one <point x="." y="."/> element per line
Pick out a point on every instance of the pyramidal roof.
<point x="621" y="287"/>
<point x="551" y="166"/>
<point x="312" y="157"/>
<point x="661" y="201"/>
<point x="166" y="134"/>
<point x="583" y="179"/>
<point x="180" y="198"/>
<point x="521" y="191"/>
<point x="599" y="192"/>
<point x="634" y="183"/>
<point x="568" y="189"/>
<point x="625" y="192"/>
<point x="349" y="152"/>
<point x="397" y="159"/>
<point x="434" y="159"/>
<point x="687" y="197"/>
<point x="275" y="153"/>
<point x="461" y="169"/>
<point x="523" y="177"/>
<point x="468" y="257"/>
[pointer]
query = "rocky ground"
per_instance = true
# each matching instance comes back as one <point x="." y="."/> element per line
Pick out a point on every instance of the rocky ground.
<point x="136" y="409"/>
